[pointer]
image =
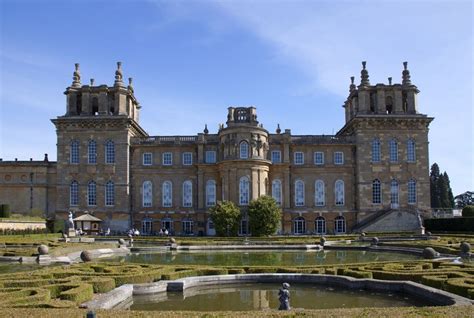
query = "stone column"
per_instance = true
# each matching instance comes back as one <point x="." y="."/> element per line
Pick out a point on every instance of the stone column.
<point x="398" y="102"/>
<point x="254" y="184"/>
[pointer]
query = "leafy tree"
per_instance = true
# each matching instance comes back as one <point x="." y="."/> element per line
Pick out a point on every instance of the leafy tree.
<point x="466" y="198"/>
<point x="264" y="216"/>
<point x="468" y="211"/>
<point x="226" y="218"/>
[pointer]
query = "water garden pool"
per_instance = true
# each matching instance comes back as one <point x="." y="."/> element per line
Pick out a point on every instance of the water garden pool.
<point x="265" y="257"/>
<point x="264" y="296"/>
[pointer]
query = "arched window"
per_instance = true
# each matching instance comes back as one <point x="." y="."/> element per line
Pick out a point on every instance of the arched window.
<point x="210" y="193"/>
<point x="187" y="194"/>
<point x="109" y="193"/>
<point x="340" y="225"/>
<point x="276" y="191"/>
<point x="74" y="155"/>
<point x="147" y="194"/>
<point x="109" y="152"/>
<point x="393" y="144"/>
<point x="299" y="225"/>
<point x="299" y="193"/>
<point x="244" y="150"/>
<point x="92" y="152"/>
<point x="91" y="193"/>
<point x="319" y="195"/>
<point x="412" y="191"/>
<point x="244" y="191"/>
<point x="339" y="192"/>
<point x="320" y="225"/>
<point x="376" y="192"/>
<point x="188" y="226"/>
<point x="376" y="150"/>
<point x="167" y="195"/>
<point x="74" y="193"/>
<point x="394" y="194"/>
<point x="411" y="154"/>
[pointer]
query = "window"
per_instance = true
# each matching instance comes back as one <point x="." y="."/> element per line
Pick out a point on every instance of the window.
<point x="210" y="156"/>
<point x="74" y="193"/>
<point x="109" y="152"/>
<point x="411" y="154"/>
<point x="187" y="158"/>
<point x="244" y="150"/>
<point x="376" y="150"/>
<point x="299" y="158"/>
<point x="74" y="155"/>
<point x="319" y="195"/>
<point x="319" y="158"/>
<point x="167" y="224"/>
<point x="244" y="191"/>
<point x="299" y="193"/>
<point x="147" y="226"/>
<point x="339" y="192"/>
<point x="393" y="145"/>
<point x="167" y="194"/>
<point x="210" y="193"/>
<point x="338" y="158"/>
<point x="167" y="159"/>
<point x="340" y="225"/>
<point x="188" y="227"/>
<point x="276" y="156"/>
<point x="92" y="152"/>
<point x="411" y="191"/>
<point x="91" y="193"/>
<point x="147" y="159"/>
<point x="147" y="194"/>
<point x="320" y="225"/>
<point x="394" y="194"/>
<point x="276" y="191"/>
<point x="299" y="225"/>
<point x="376" y="192"/>
<point x="109" y="193"/>
<point x="187" y="194"/>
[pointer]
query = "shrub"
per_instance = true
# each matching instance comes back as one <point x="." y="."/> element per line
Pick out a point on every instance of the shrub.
<point x="226" y="218"/>
<point x="5" y="211"/>
<point x="464" y="224"/>
<point x="468" y="211"/>
<point x="264" y="216"/>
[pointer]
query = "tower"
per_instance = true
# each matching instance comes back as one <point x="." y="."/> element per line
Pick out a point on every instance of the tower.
<point x="391" y="153"/>
<point x="93" y="147"/>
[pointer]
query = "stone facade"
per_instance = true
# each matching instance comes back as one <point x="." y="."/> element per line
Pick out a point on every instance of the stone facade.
<point x="109" y="166"/>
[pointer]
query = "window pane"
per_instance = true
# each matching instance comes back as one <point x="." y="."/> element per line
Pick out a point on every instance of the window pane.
<point x="187" y="194"/>
<point x="244" y="150"/>
<point x="147" y="159"/>
<point x="92" y="152"/>
<point x="393" y="150"/>
<point x="167" y="159"/>
<point x="187" y="158"/>
<point x="276" y="156"/>
<point x="376" y="150"/>
<point x="299" y="158"/>
<point x="167" y="194"/>
<point x="339" y="192"/>
<point x="110" y="152"/>
<point x="244" y="191"/>
<point x="376" y="192"/>
<point x="211" y="193"/>
<point x="74" y="193"/>
<point x="338" y="158"/>
<point x="411" y="156"/>
<point x="319" y="193"/>
<point x="210" y="156"/>
<point x="91" y="194"/>
<point x="147" y="193"/>
<point x="276" y="191"/>
<point x="299" y="193"/>
<point x="109" y="194"/>
<point x="412" y="192"/>
<point x="318" y="158"/>
<point x="74" y="158"/>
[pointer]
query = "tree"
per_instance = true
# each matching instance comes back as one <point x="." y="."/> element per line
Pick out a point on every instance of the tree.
<point x="440" y="189"/>
<point x="264" y="216"/>
<point x="468" y="211"/>
<point x="466" y="198"/>
<point x="226" y="218"/>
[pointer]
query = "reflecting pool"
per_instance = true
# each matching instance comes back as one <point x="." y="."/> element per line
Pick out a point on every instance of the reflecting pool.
<point x="265" y="297"/>
<point x="265" y="257"/>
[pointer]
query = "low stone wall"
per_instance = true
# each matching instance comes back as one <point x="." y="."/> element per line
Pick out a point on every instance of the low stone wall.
<point x="118" y="296"/>
<point x="22" y="225"/>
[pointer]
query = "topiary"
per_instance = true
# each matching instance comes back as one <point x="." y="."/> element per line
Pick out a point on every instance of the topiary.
<point x="86" y="256"/>
<point x="43" y="249"/>
<point x="430" y="253"/>
<point x="468" y="211"/>
<point x="375" y="240"/>
<point x="121" y="241"/>
<point x="465" y="247"/>
<point x="322" y="241"/>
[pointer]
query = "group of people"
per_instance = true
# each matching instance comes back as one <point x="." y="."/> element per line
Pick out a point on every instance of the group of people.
<point x="133" y="232"/>
<point x="164" y="232"/>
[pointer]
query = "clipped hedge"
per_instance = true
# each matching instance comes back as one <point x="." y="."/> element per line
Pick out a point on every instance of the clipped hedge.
<point x="464" y="224"/>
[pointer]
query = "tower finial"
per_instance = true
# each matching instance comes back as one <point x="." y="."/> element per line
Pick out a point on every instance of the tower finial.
<point x="206" y="131"/>
<point x="390" y="81"/>
<point x="130" y="85"/>
<point x="364" y="75"/>
<point x="76" y="76"/>
<point x="278" y="130"/>
<point x="118" y="75"/>
<point x="92" y="82"/>
<point x="406" y="75"/>
<point x="352" y="86"/>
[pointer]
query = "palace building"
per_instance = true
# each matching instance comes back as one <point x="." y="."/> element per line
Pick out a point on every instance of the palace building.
<point x="372" y="175"/>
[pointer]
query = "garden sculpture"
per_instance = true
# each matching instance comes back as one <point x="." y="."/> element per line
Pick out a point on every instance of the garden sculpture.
<point x="284" y="297"/>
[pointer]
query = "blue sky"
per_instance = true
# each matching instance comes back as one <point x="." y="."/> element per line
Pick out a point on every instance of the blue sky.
<point x="190" y="60"/>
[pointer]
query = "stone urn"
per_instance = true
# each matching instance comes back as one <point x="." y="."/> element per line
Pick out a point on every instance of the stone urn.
<point x="86" y="256"/>
<point x="430" y="253"/>
<point x="121" y="241"/>
<point x="43" y="249"/>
